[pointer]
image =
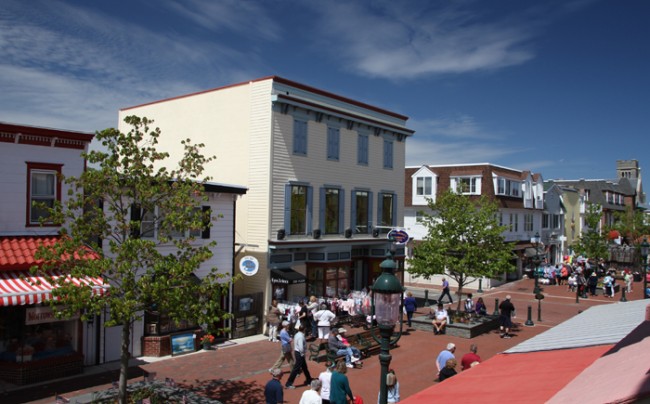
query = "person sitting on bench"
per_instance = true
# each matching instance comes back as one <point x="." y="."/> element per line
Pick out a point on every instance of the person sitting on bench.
<point x="336" y="345"/>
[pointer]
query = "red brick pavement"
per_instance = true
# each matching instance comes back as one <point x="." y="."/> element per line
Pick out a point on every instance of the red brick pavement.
<point x="237" y="374"/>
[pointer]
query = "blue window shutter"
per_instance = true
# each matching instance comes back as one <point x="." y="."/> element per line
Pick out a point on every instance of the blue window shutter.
<point x="380" y="208"/>
<point x="287" y="208"/>
<point x="370" y="223"/>
<point x="394" y="210"/>
<point x="353" y="212"/>
<point x="321" y="211"/>
<point x="310" y="205"/>
<point x="341" y="211"/>
<point x="337" y="137"/>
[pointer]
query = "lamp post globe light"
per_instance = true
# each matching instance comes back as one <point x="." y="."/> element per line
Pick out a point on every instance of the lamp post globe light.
<point x="535" y="242"/>
<point x="387" y="300"/>
<point x="644" y="258"/>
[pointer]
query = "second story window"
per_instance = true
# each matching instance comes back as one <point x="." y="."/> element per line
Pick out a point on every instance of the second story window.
<point x="361" y="208"/>
<point x="508" y="187"/>
<point x="514" y="222"/>
<point x="44" y="189"/>
<point x="152" y="224"/>
<point x="298" y="208"/>
<point x="424" y="186"/>
<point x="528" y="222"/>
<point x="387" y="205"/>
<point x="333" y="140"/>
<point x="388" y="154"/>
<point x="331" y="207"/>
<point x="362" y="149"/>
<point x="300" y="137"/>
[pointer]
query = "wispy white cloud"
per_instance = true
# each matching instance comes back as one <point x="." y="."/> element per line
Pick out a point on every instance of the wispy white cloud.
<point x="420" y="38"/>
<point x="456" y="127"/>
<point x="426" y="150"/>
<point x="246" y="18"/>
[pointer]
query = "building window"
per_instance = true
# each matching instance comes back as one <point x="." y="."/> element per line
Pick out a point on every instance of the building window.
<point x="500" y="218"/>
<point x="528" y="222"/>
<point x="424" y="186"/>
<point x="545" y="221"/>
<point x="508" y="187"/>
<point x="361" y="208"/>
<point x="331" y="205"/>
<point x="362" y="149"/>
<point x="556" y="221"/>
<point x="43" y="190"/>
<point x="298" y="210"/>
<point x="300" y="137"/>
<point x="466" y="185"/>
<point x="151" y="224"/>
<point x="333" y="140"/>
<point x="388" y="154"/>
<point x="387" y="205"/>
<point x="328" y="281"/>
<point x="514" y="222"/>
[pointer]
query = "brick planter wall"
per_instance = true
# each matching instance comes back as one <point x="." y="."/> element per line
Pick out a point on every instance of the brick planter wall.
<point x="156" y="346"/>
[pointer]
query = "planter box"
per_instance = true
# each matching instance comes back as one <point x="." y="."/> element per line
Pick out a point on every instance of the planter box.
<point x="468" y="330"/>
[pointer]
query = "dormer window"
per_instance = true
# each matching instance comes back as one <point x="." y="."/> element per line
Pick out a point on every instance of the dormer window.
<point x="423" y="184"/>
<point x="466" y="185"/>
<point x="508" y="187"/>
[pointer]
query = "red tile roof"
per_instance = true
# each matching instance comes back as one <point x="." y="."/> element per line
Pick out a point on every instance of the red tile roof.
<point x="17" y="253"/>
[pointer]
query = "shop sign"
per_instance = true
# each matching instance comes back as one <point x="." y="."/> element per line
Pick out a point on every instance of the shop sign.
<point x="398" y="236"/>
<point x="44" y="314"/>
<point x="249" y="265"/>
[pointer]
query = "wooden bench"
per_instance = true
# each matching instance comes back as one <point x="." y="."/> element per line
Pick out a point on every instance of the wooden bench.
<point x="363" y="341"/>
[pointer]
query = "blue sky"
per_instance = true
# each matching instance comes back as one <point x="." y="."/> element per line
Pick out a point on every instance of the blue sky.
<point x="557" y="87"/>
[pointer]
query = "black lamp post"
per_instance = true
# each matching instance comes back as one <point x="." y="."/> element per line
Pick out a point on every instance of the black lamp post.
<point x="535" y="241"/>
<point x="644" y="257"/>
<point x="387" y="300"/>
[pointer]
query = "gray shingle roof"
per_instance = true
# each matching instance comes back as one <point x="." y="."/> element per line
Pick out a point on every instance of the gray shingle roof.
<point x="599" y="325"/>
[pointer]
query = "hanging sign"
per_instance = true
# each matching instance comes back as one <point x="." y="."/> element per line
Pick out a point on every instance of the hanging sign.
<point x="398" y="236"/>
<point x="249" y="265"/>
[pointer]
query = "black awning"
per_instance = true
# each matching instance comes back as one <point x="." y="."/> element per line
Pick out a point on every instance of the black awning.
<point x="287" y="276"/>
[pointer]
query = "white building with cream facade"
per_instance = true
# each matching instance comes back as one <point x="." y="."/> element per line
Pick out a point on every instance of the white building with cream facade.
<point x="324" y="173"/>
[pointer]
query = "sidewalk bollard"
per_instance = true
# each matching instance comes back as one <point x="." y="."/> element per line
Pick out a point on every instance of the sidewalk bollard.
<point x="496" y="307"/>
<point x="539" y="298"/>
<point x="623" y="299"/>
<point x="480" y="289"/>
<point x="577" y="293"/>
<point x="426" y="298"/>
<point x="529" y="321"/>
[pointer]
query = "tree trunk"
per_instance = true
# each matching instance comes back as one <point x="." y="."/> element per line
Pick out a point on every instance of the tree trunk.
<point x="124" y="362"/>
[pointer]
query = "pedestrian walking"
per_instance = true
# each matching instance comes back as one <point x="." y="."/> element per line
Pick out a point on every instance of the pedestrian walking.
<point x="273" y="318"/>
<point x="506" y="312"/>
<point x="410" y="304"/>
<point x="340" y="385"/>
<point x="312" y="395"/>
<point x="445" y="291"/>
<point x="325" y="379"/>
<point x="312" y="307"/>
<point x="273" y="393"/>
<point x="285" y="348"/>
<point x="300" y="362"/>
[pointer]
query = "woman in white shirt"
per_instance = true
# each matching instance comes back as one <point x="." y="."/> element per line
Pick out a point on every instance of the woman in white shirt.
<point x="324" y="317"/>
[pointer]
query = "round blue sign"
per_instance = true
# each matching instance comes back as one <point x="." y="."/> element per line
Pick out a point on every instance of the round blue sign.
<point x="249" y="265"/>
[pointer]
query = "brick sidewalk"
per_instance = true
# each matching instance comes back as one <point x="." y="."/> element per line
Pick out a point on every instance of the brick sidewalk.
<point x="238" y="373"/>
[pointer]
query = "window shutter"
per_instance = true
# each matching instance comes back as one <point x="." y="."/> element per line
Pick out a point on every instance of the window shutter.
<point x="287" y="208"/>
<point x="394" y="210"/>
<point x="341" y="211"/>
<point x="353" y="212"/>
<point x="310" y="206"/>
<point x="380" y="209"/>
<point x="321" y="210"/>
<point x="136" y="216"/>
<point x="207" y="213"/>
<point x="370" y="222"/>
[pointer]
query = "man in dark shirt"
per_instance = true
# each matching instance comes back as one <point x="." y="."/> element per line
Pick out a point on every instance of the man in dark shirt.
<point x="507" y="310"/>
<point x="273" y="392"/>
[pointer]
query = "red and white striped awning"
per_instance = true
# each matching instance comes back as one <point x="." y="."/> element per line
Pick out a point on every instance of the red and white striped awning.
<point x="19" y="288"/>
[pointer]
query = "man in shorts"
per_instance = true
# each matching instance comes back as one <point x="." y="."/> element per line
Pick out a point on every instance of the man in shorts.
<point x="507" y="311"/>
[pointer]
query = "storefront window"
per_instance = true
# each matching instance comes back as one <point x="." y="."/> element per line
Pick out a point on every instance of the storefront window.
<point x="33" y="333"/>
<point x="315" y="282"/>
<point x="328" y="282"/>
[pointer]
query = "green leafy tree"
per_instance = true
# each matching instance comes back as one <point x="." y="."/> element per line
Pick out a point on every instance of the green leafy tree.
<point x="129" y="197"/>
<point x="464" y="240"/>
<point x="631" y="224"/>
<point x="592" y="243"/>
